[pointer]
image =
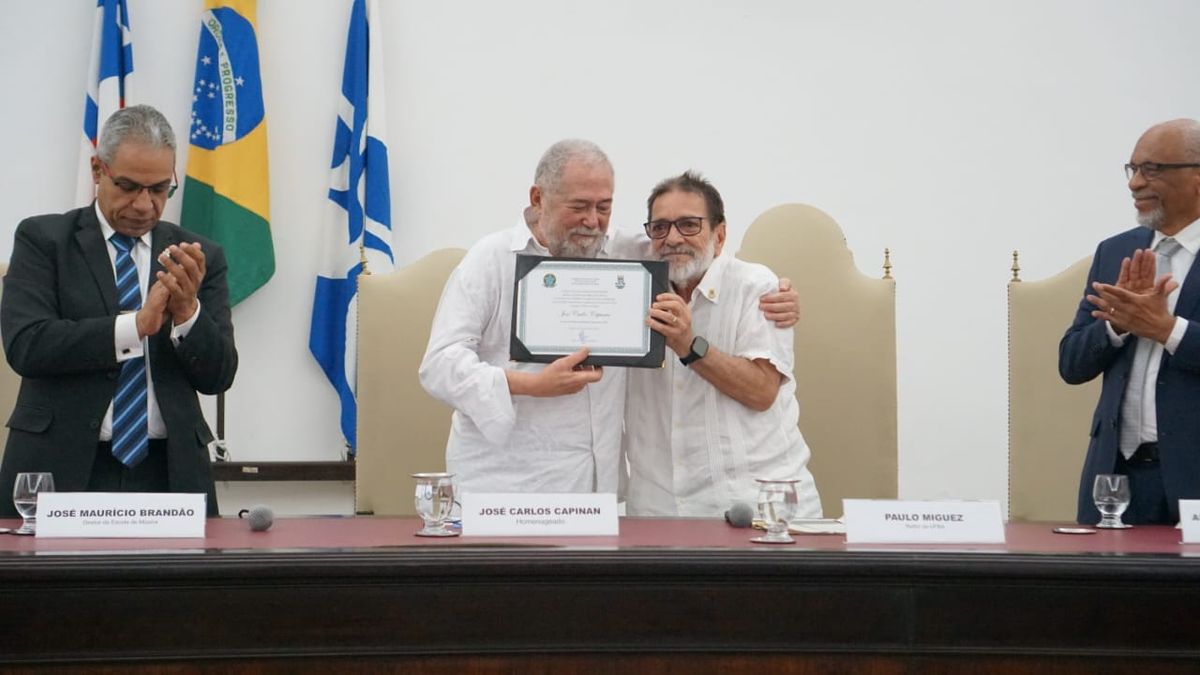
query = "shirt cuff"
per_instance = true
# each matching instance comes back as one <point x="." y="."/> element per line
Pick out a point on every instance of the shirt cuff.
<point x="1113" y="338"/>
<point x="1181" y="326"/>
<point x="180" y="331"/>
<point x="125" y="337"/>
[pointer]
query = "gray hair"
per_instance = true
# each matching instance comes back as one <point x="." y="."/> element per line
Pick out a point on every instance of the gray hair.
<point x="139" y="123"/>
<point x="550" y="167"/>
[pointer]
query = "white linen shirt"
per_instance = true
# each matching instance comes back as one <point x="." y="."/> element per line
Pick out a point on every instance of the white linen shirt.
<point x="694" y="451"/>
<point x="500" y="442"/>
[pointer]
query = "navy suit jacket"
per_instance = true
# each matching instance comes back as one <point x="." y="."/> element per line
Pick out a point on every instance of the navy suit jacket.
<point x="57" y="317"/>
<point x="1085" y="352"/>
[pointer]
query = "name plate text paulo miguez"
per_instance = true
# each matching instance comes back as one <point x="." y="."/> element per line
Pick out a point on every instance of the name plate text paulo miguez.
<point x="889" y="521"/>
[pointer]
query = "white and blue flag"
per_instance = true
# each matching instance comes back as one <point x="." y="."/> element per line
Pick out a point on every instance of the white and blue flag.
<point x="361" y="232"/>
<point x="109" y="70"/>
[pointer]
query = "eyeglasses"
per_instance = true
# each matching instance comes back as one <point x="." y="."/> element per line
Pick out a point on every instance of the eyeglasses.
<point x="164" y="189"/>
<point x="688" y="226"/>
<point x="1151" y="170"/>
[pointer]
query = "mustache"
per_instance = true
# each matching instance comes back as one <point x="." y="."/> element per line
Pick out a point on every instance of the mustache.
<point x="676" y="250"/>
<point x="1143" y="195"/>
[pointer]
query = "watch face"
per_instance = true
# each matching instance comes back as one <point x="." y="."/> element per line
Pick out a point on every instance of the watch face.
<point x="699" y="347"/>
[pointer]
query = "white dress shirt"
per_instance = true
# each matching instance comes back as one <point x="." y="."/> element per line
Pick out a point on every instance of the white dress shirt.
<point x="500" y="442"/>
<point x="126" y="342"/>
<point x="1139" y="414"/>
<point x="694" y="451"/>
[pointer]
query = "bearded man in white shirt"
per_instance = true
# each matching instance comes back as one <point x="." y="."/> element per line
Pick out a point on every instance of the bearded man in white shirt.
<point x="699" y="431"/>
<point x="529" y="427"/>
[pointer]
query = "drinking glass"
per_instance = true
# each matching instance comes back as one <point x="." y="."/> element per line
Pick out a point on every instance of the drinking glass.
<point x="777" y="504"/>
<point x="1111" y="494"/>
<point x="25" y="492"/>
<point x="434" y="501"/>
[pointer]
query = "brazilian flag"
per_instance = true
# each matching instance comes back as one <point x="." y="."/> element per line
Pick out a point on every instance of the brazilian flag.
<point x="226" y="191"/>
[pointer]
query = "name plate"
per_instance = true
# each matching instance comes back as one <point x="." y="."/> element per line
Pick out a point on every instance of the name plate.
<point x="120" y="514"/>
<point x="1189" y="520"/>
<point x="887" y="521"/>
<point x="539" y="515"/>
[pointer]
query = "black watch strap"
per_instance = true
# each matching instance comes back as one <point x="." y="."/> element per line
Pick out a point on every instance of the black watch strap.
<point x="698" y="350"/>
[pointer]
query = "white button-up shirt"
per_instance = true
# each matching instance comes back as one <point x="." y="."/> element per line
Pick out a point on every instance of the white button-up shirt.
<point x="500" y="442"/>
<point x="694" y="451"/>
<point x="126" y="342"/>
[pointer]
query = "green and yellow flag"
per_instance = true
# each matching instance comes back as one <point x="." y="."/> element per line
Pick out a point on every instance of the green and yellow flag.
<point x="226" y="192"/>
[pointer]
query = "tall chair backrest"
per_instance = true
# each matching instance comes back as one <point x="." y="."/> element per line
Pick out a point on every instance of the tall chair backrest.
<point x="845" y="348"/>
<point x="1048" y="419"/>
<point x="401" y="429"/>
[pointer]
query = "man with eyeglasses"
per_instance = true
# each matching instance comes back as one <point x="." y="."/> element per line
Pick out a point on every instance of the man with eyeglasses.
<point x="1138" y="325"/>
<point x="115" y="320"/>
<point x="723" y="410"/>
<point x="528" y="427"/>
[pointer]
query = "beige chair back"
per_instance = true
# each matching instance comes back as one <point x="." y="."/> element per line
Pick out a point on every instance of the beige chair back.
<point x="845" y="348"/>
<point x="1048" y="419"/>
<point x="401" y="429"/>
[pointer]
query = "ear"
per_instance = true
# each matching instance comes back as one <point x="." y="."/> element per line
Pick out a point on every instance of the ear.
<point x="535" y="197"/>
<point x="95" y="170"/>
<point x="719" y="233"/>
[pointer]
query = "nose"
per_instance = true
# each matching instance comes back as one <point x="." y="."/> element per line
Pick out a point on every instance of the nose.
<point x="673" y="237"/>
<point x="143" y="201"/>
<point x="1137" y="181"/>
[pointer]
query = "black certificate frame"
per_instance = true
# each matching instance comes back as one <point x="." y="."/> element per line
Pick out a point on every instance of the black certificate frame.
<point x="651" y="358"/>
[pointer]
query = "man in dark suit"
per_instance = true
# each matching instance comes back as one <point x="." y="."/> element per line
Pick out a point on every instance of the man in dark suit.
<point x="115" y="320"/>
<point x="1139" y="326"/>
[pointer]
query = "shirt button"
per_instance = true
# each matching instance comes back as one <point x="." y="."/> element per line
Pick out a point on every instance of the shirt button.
<point x="711" y="294"/>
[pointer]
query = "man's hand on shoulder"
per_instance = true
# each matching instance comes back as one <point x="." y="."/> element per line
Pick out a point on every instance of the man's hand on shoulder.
<point x="563" y="377"/>
<point x="783" y="306"/>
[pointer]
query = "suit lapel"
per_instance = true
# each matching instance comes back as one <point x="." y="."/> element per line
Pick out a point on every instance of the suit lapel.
<point x="1189" y="294"/>
<point x="95" y="254"/>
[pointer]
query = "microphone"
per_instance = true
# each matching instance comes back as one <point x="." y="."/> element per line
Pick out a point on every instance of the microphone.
<point x="260" y="516"/>
<point x="740" y="514"/>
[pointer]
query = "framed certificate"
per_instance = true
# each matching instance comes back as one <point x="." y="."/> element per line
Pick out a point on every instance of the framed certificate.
<point x="562" y="304"/>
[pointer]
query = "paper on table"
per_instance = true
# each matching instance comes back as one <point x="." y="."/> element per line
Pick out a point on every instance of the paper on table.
<point x="810" y="526"/>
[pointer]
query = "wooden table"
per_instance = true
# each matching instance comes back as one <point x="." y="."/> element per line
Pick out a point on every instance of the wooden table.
<point x="680" y="596"/>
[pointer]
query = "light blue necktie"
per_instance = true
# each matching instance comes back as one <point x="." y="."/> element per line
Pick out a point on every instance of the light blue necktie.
<point x="130" y="438"/>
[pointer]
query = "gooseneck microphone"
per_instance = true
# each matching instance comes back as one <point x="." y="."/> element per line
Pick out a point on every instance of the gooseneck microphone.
<point x="740" y="514"/>
<point x="260" y="517"/>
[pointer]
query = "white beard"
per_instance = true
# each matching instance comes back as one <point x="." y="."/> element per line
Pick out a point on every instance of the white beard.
<point x="682" y="274"/>
<point x="1153" y="220"/>
<point x="565" y="248"/>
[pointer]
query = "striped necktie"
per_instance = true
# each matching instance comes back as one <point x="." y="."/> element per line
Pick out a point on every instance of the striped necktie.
<point x="130" y="438"/>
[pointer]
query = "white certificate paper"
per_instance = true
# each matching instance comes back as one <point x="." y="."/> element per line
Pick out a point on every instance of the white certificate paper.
<point x="561" y="305"/>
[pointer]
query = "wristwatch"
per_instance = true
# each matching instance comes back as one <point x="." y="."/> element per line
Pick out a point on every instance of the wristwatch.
<point x="699" y="349"/>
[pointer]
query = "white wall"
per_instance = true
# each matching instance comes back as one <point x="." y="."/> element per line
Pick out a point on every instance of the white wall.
<point x="951" y="132"/>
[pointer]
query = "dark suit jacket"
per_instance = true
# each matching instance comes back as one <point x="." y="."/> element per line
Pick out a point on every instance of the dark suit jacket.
<point x="1085" y="352"/>
<point x="57" y="318"/>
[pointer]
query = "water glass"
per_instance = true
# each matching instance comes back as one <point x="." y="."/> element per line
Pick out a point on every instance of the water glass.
<point x="25" y="492"/>
<point x="1111" y="494"/>
<point x="777" y="504"/>
<point x="434" y="501"/>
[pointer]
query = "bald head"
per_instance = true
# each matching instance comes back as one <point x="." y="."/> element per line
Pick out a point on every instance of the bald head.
<point x="1166" y="185"/>
<point x="1181" y="134"/>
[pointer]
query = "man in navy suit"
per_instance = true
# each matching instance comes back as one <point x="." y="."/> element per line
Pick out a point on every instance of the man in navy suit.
<point x="71" y="337"/>
<point x="1139" y="325"/>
